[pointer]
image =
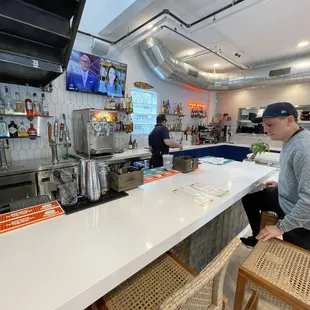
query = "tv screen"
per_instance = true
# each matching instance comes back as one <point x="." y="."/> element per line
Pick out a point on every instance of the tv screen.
<point x="89" y="73"/>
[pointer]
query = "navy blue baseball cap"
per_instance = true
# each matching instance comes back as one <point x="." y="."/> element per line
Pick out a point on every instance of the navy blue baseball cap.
<point x="276" y="110"/>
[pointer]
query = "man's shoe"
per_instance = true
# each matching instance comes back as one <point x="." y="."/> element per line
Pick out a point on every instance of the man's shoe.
<point x="249" y="242"/>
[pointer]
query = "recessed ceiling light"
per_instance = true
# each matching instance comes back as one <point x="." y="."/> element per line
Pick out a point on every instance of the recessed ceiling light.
<point x="296" y="106"/>
<point x="149" y="27"/>
<point x="303" y="44"/>
<point x="215" y="65"/>
<point x="191" y="53"/>
<point x="154" y="28"/>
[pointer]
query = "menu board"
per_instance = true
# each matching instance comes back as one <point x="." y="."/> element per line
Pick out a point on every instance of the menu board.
<point x="28" y="216"/>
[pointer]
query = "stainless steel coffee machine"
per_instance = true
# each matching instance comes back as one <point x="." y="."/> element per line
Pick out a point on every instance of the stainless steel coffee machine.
<point x="93" y="131"/>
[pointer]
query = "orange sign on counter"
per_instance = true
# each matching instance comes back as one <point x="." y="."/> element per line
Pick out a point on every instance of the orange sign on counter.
<point x="24" y="217"/>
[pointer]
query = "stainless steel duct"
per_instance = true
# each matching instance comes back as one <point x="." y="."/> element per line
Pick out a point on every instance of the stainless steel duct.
<point x="170" y="69"/>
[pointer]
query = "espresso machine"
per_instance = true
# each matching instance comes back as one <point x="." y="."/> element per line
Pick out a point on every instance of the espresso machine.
<point x="93" y="132"/>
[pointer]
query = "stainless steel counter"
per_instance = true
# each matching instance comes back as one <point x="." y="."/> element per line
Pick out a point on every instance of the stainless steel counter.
<point x="25" y="166"/>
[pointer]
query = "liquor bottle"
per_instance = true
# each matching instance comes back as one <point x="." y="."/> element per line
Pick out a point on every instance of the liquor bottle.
<point x="19" y="105"/>
<point x="36" y="105"/>
<point x="181" y="109"/>
<point x="178" y="109"/>
<point x="22" y="130"/>
<point x="4" y="131"/>
<point x="163" y="109"/>
<point x="130" y="105"/>
<point x="44" y="106"/>
<point x="8" y="102"/>
<point x="13" y="129"/>
<point x="32" y="132"/>
<point x="130" y="146"/>
<point x="29" y="105"/>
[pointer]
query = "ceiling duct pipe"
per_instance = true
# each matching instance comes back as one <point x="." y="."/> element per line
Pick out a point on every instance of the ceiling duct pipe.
<point x="167" y="68"/>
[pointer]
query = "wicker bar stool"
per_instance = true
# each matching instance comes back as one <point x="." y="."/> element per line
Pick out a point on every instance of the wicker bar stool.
<point x="168" y="283"/>
<point x="277" y="271"/>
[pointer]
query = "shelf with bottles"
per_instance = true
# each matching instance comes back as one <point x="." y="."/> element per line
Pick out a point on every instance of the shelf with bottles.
<point x="26" y="137"/>
<point x="171" y="114"/>
<point x="13" y="130"/>
<point x="167" y="108"/>
<point x="31" y="107"/>
<point x="119" y="111"/>
<point x="124" y="105"/>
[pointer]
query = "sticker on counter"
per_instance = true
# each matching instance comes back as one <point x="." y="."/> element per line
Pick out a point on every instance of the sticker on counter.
<point x="29" y="210"/>
<point x="18" y="219"/>
<point x="151" y="175"/>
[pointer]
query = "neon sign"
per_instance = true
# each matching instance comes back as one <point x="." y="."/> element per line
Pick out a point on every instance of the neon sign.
<point x="196" y="105"/>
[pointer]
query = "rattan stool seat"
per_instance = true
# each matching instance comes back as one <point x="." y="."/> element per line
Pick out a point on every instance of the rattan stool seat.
<point x="281" y="269"/>
<point x="149" y="287"/>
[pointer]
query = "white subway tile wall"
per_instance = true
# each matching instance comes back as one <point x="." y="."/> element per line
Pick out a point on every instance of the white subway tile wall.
<point x="62" y="101"/>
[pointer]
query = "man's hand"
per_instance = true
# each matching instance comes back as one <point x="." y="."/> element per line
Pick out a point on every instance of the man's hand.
<point x="269" y="232"/>
<point x="181" y="147"/>
<point x="272" y="184"/>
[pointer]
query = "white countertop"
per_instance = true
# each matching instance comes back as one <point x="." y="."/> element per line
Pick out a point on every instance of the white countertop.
<point x="69" y="262"/>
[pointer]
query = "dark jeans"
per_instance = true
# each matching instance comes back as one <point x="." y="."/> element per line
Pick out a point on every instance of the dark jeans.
<point x="267" y="200"/>
<point x="156" y="161"/>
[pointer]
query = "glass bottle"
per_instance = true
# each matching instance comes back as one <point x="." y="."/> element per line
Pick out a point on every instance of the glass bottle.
<point x="32" y="132"/>
<point x="8" y="102"/>
<point x="13" y="129"/>
<point x="19" y="104"/>
<point x="29" y="105"/>
<point x="36" y="105"/>
<point x="44" y="106"/>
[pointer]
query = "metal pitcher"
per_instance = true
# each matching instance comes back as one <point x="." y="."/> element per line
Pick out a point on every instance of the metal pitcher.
<point x="93" y="188"/>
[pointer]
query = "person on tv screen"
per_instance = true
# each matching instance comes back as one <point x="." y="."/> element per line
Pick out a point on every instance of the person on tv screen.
<point x="111" y="85"/>
<point x="84" y="79"/>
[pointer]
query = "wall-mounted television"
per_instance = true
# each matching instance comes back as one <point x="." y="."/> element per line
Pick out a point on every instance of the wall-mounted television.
<point x="93" y="74"/>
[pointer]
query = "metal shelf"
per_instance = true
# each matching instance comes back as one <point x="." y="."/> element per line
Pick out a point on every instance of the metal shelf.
<point x="19" y="137"/>
<point x="15" y="115"/>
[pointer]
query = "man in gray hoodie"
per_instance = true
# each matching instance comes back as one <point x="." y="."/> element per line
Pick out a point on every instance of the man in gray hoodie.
<point x="290" y="197"/>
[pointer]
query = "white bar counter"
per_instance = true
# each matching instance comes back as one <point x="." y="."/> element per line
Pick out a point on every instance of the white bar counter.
<point x="69" y="262"/>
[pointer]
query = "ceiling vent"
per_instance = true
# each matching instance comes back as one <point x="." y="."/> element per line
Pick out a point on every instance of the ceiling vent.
<point x="166" y="67"/>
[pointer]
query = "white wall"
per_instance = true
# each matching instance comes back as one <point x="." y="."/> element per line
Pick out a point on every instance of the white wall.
<point x="62" y="101"/>
<point x="230" y="102"/>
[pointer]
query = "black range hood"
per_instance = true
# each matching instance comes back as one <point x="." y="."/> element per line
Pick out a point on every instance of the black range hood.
<point x="36" y="39"/>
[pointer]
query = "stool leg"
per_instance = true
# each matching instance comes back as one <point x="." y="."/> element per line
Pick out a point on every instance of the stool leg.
<point x="240" y="290"/>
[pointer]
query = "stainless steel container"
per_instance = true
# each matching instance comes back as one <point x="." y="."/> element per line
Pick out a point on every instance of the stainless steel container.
<point x="83" y="177"/>
<point x="76" y="176"/>
<point x="93" y="188"/>
<point x="104" y="177"/>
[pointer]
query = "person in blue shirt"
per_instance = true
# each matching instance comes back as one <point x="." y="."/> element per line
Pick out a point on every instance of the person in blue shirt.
<point x="83" y="79"/>
<point x="159" y="141"/>
<point x="111" y="85"/>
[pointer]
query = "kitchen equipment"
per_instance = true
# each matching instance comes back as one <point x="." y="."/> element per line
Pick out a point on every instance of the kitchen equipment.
<point x="68" y="193"/>
<point x="93" y="134"/>
<point x="17" y="187"/>
<point x="76" y="177"/>
<point x="45" y="185"/>
<point x="83" y="177"/>
<point x="54" y="152"/>
<point x="185" y="163"/>
<point x="168" y="161"/>
<point x="104" y="177"/>
<point x="3" y="160"/>
<point x="305" y="116"/>
<point x="93" y="188"/>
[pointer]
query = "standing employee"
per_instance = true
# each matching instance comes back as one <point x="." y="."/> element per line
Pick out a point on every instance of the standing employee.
<point x="159" y="141"/>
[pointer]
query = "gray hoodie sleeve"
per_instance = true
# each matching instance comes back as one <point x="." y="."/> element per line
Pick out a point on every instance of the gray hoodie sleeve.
<point x="300" y="215"/>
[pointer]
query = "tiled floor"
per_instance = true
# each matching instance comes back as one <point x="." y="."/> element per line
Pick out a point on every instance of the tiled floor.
<point x="231" y="277"/>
